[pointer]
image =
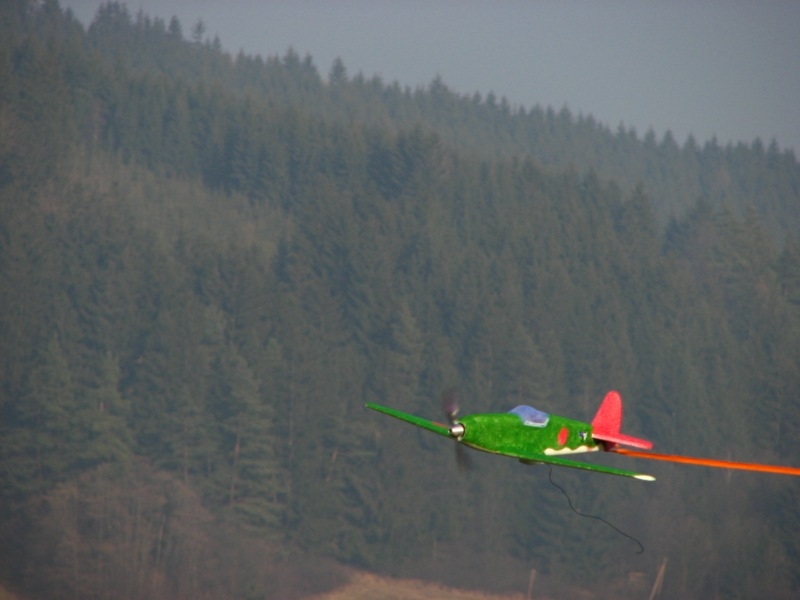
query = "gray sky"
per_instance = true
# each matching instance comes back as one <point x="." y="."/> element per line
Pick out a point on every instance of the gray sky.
<point x="724" y="68"/>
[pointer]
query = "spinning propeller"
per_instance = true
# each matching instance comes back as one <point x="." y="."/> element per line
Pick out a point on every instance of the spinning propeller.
<point x="451" y="408"/>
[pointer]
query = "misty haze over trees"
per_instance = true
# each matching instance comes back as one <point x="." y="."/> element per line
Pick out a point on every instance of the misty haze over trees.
<point x="210" y="262"/>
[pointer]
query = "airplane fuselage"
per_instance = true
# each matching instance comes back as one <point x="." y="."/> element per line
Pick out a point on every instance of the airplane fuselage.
<point x="505" y="433"/>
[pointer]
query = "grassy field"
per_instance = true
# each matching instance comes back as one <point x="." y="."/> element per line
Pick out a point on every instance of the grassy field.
<point x="366" y="586"/>
<point x="6" y="595"/>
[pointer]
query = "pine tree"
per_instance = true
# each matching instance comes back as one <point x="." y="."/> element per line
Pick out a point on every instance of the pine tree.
<point x="41" y="445"/>
<point x="252" y="475"/>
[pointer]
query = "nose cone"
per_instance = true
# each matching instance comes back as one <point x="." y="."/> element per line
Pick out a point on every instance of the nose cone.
<point x="457" y="431"/>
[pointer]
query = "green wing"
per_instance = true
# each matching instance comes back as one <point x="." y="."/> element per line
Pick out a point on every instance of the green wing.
<point x="574" y="464"/>
<point x="418" y="421"/>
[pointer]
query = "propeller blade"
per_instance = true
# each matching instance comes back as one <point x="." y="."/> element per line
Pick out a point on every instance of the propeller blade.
<point x="463" y="459"/>
<point x="450" y="405"/>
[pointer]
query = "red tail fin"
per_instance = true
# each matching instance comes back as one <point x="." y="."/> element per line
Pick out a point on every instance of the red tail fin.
<point x="607" y="423"/>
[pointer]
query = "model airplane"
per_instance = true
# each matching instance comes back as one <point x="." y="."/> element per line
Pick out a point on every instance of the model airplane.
<point x="533" y="436"/>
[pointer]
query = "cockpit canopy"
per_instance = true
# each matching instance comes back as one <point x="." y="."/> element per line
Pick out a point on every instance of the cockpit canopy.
<point x="530" y="416"/>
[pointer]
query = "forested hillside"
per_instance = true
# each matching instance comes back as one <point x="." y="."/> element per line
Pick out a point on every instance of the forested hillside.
<point x="208" y="264"/>
<point x="677" y="172"/>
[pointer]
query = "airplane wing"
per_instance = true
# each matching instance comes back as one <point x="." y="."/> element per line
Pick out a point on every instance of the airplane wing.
<point x="575" y="464"/>
<point x="418" y="421"/>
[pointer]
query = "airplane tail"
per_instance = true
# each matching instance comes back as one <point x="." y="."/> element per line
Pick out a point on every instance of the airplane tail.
<point x="607" y="423"/>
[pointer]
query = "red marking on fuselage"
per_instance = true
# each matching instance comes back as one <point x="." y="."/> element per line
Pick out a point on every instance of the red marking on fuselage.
<point x="562" y="436"/>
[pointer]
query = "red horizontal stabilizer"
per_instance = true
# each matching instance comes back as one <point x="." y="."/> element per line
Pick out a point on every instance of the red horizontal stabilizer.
<point x="607" y="423"/>
<point x="625" y="440"/>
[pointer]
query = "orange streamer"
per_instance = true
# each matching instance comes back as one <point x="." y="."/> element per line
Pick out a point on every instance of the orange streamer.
<point x="710" y="462"/>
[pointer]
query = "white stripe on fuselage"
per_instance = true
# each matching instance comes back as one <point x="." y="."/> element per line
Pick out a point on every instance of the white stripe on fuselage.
<point x="566" y="450"/>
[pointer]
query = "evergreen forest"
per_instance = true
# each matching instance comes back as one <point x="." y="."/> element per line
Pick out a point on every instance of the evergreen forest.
<point x="210" y="262"/>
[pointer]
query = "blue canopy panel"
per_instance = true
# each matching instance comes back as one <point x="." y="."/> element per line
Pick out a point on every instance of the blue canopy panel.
<point x="530" y="416"/>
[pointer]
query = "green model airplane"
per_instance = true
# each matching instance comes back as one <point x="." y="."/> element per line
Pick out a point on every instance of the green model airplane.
<point x="533" y="436"/>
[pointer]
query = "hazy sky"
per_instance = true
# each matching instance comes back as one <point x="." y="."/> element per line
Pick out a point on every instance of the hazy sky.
<point x="724" y="68"/>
